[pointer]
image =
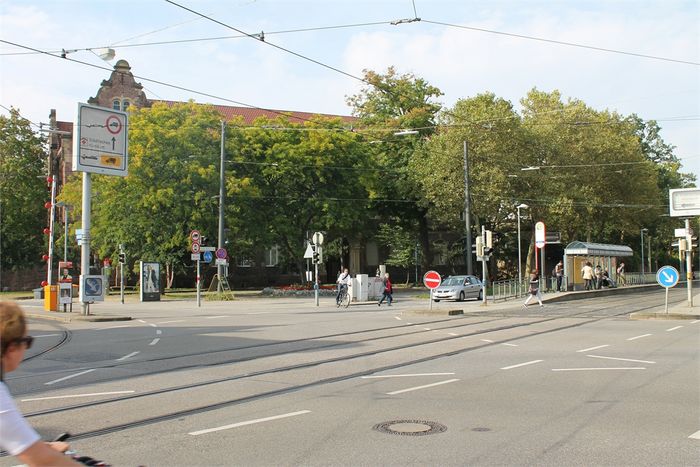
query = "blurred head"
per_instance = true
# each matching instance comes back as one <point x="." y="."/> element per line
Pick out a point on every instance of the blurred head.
<point x="346" y="270"/>
<point x="386" y="275"/>
<point x="13" y="334"/>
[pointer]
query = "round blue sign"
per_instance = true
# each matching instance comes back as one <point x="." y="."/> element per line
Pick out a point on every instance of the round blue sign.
<point x="667" y="276"/>
<point x="208" y="256"/>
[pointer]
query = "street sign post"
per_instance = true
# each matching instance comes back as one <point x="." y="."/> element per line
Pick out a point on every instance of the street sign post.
<point x="432" y="280"/>
<point x="101" y="143"/>
<point x="667" y="277"/>
<point x="684" y="202"/>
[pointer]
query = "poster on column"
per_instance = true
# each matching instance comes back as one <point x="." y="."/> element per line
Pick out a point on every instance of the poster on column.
<point x="150" y="282"/>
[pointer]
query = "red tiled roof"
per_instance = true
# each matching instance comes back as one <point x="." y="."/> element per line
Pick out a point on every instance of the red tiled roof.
<point x="65" y="126"/>
<point x="249" y="114"/>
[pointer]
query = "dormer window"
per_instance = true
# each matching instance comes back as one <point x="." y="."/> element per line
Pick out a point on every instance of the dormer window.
<point x="116" y="104"/>
<point x="125" y="104"/>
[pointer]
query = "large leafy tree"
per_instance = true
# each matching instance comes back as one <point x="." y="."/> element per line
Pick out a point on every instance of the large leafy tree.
<point x="23" y="193"/>
<point x="392" y="102"/>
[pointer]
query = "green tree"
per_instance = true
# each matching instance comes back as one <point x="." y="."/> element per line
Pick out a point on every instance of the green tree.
<point x="23" y="192"/>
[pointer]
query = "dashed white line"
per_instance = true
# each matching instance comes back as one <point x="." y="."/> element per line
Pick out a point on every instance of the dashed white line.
<point x="158" y="331"/>
<point x="487" y="340"/>
<point x="410" y="324"/>
<point x="141" y="321"/>
<point x="695" y="435"/>
<point x="453" y="334"/>
<point x="421" y="387"/>
<point x="128" y="356"/>
<point x="249" y="422"/>
<point x="593" y="348"/>
<point x="152" y="325"/>
<point x="68" y="377"/>
<point x="406" y="375"/>
<point x="673" y="329"/>
<point x="510" y="345"/>
<point x="521" y="364"/>
<point x="214" y="317"/>
<point x="76" y="395"/>
<point x="46" y="335"/>
<point x="622" y="359"/>
<point x="595" y="369"/>
<point x="427" y="329"/>
<point x="396" y="317"/>
<point x="114" y="327"/>
<point x="174" y="321"/>
<point x="154" y="341"/>
<point x="638" y="337"/>
<point x="696" y="321"/>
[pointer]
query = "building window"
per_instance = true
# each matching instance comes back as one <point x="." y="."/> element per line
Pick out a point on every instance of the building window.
<point x="116" y="105"/>
<point x="244" y="263"/>
<point x="272" y="256"/>
<point x="125" y="104"/>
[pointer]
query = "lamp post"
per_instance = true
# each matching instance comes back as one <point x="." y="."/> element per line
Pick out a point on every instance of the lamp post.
<point x="222" y="180"/>
<point x="520" y="260"/>
<point x="641" y="234"/>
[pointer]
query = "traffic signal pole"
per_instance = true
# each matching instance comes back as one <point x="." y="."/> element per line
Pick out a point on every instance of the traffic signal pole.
<point x="484" y="279"/>
<point x="689" y="262"/>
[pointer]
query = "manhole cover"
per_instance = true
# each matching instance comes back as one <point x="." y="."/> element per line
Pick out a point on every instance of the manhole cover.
<point x="410" y="427"/>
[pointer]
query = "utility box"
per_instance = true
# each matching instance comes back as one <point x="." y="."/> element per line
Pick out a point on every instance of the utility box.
<point x="361" y="284"/>
<point x="51" y="298"/>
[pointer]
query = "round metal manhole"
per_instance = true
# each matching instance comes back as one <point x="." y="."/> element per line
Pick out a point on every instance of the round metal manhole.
<point x="410" y="427"/>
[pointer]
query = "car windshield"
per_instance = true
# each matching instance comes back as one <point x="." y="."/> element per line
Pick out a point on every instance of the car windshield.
<point x="454" y="280"/>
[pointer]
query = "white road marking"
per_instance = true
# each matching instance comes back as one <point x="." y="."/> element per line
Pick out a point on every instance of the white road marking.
<point x="174" y="321"/>
<point x="593" y="348"/>
<point x="128" y="356"/>
<point x="696" y="321"/>
<point x="422" y="387"/>
<point x="114" y="327"/>
<point x="638" y="337"/>
<point x="396" y="317"/>
<point x="249" y="422"/>
<point x="673" y="329"/>
<point x="521" y="364"/>
<point x="68" y="377"/>
<point x="623" y="359"/>
<point x="594" y="369"/>
<point x="214" y="317"/>
<point x="487" y="340"/>
<point x="154" y="341"/>
<point x="258" y="313"/>
<point x="427" y="329"/>
<point x="406" y="375"/>
<point x="695" y="435"/>
<point x="76" y="395"/>
<point x="158" y="331"/>
<point x="410" y="324"/>
<point x="47" y="335"/>
<point x="453" y="334"/>
<point x="510" y="345"/>
<point x="152" y="325"/>
<point x="142" y="321"/>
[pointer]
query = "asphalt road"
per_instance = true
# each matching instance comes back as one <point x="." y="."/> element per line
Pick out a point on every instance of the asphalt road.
<point x="283" y="382"/>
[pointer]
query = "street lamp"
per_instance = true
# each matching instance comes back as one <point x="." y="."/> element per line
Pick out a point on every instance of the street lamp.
<point x="520" y="260"/>
<point x="641" y="234"/>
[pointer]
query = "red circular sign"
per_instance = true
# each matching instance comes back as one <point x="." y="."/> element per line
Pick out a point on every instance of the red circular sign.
<point x="114" y="125"/>
<point x="221" y="253"/>
<point x="432" y="280"/>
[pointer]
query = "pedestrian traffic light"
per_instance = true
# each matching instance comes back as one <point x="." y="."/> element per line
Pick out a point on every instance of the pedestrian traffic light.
<point x="122" y="258"/>
<point x="489" y="239"/>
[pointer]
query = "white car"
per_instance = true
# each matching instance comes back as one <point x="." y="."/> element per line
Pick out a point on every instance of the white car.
<point x="458" y="288"/>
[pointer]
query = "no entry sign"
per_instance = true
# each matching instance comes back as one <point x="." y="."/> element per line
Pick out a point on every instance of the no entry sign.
<point x="432" y="280"/>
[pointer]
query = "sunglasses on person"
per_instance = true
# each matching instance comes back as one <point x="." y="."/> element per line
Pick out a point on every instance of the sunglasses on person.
<point x="27" y="341"/>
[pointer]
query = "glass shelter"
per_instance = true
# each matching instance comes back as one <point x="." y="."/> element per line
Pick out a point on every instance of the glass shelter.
<point x="577" y="253"/>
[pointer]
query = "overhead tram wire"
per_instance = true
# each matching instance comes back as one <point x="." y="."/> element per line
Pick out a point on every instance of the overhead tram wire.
<point x="155" y="81"/>
<point x="553" y="41"/>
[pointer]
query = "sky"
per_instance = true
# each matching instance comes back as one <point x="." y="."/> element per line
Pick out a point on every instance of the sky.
<point x="450" y="47"/>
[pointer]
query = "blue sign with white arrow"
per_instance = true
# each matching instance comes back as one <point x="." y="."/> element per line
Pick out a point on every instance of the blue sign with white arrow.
<point x="667" y="276"/>
<point x="208" y="256"/>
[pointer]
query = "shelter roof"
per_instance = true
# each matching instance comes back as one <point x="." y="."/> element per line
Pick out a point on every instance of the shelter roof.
<point x="597" y="249"/>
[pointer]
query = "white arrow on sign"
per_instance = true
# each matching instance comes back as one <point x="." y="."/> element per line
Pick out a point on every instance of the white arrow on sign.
<point x="668" y="277"/>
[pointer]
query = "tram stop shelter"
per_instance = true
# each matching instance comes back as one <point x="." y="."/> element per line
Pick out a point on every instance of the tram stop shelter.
<point x="577" y="253"/>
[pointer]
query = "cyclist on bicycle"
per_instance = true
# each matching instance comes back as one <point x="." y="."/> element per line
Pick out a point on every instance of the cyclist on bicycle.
<point x="343" y="281"/>
<point x="17" y="437"/>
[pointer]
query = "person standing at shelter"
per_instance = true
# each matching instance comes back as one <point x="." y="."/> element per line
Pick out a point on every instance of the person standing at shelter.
<point x="598" y="276"/>
<point x="534" y="289"/>
<point x="559" y="274"/>
<point x="388" y="291"/>
<point x="621" y="280"/>
<point x="587" y="274"/>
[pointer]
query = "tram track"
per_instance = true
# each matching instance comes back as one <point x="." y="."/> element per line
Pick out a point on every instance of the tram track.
<point x="318" y="382"/>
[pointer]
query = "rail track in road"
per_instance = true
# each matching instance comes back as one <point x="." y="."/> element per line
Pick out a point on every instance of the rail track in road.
<point x="492" y="325"/>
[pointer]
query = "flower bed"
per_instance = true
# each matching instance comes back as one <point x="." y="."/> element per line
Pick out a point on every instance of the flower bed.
<point x="299" y="290"/>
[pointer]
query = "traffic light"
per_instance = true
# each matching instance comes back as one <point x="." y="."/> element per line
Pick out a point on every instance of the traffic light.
<point x="314" y="252"/>
<point x="479" y="246"/>
<point x="122" y="258"/>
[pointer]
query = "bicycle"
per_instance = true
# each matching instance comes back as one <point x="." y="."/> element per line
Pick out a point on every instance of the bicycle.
<point x="85" y="460"/>
<point x="344" y="298"/>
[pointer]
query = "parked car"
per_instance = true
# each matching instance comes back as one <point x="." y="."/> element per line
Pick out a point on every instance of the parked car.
<point x="458" y="288"/>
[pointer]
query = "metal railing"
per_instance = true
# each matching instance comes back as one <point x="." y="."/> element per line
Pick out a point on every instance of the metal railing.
<point x="508" y="289"/>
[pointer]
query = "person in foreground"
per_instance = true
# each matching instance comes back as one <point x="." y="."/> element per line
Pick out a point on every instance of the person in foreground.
<point x="17" y="437"/>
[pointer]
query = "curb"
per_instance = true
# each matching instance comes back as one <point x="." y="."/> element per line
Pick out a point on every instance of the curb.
<point x="68" y="317"/>
<point x="664" y="316"/>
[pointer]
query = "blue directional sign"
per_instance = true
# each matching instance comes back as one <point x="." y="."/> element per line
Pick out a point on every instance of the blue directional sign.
<point x="208" y="256"/>
<point x="667" y="276"/>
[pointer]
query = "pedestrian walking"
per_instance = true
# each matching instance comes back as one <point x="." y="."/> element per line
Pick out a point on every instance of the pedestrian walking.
<point x="587" y="274"/>
<point x="534" y="289"/>
<point x="621" y="280"/>
<point x="559" y="274"/>
<point x="388" y="291"/>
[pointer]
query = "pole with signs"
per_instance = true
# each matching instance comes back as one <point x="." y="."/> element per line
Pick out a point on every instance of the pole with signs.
<point x="484" y="281"/>
<point x="432" y="280"/>
<point x="317" y="242"/>
<point x="689" y="261"/>
<point x="667" y="277"/>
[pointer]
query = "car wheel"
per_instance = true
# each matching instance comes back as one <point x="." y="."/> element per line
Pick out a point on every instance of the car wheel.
<point x="436" y="300"/>
<point x="481" y="296"/>
<point x="461" y="297"/>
